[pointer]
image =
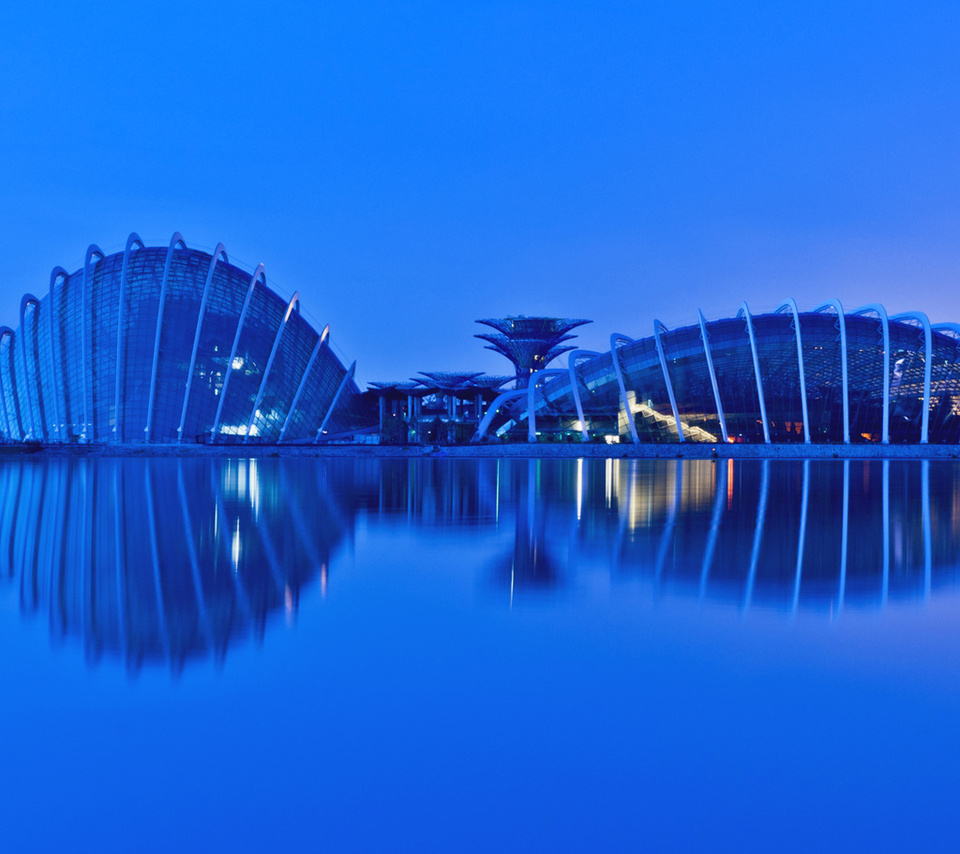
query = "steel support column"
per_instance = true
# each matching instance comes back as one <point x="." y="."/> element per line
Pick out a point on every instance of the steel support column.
<point x="531" y="400"/>
<point x="347" y="377"/>
<point x="56" y="354"/>
<point x="791" y="305"/>
<point x="303" y="380"/>
<point x="572" y="359"/>
<point x="258" y="274"/>
<point x="25" y="301"/>
<point x="618" y="369"/>
<point x="484" y="425"/>
<point x="657" y="327"/>
<point x="6" y="331"/>
<point x="174" y="241"/>
<point x="924" y="322"/>
<point x="745" y="311"/>
<point x="86" y="344"/>
<point x="844" y="379"/>
<point x="294" y="300"/>
<point x="705" y="337"/>
<point x="132" y="240"/>
<point x="881" y="312"/>
<point x="218" y="253"/>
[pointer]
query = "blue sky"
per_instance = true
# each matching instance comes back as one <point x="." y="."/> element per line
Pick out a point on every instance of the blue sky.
<point x="410" y="167"/>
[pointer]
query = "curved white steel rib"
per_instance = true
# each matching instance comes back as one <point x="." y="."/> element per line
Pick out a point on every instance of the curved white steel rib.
<point x="705" y="337"/>
<point x="791" y="304"/>
<point x="947" y="327"/>
<point x="336" y="399"/>
<point x="927" y="527"/>
<point x="174" y="241"/>
<point x="203" y="612"/>
<point x="303" y="381"/>
<point x="844" y="535"/>
<point x="618" y="369"/>
<point x="757" y="534"/>
<point x="531" y="399"/>
<point x="219" y="252"/>
<point x="56" y="354"/>
<point x="25" y="301"/>
<point x="572" y="359"/>
<point x="801" y="541"/>
<point x="266" y="371"/>
<point x="86" y="345"/>
<point x="881" y="312"/>
<point x="924" y="322"/>
<point x="657" y="327"/>
<point x="132" y="240"/>
<point x="745" y="311"/>
<point x="42" y="402"/>
<point x="257" y="274"/>
<point x="719" y="502"/>
<point x="484" y="425"/>
<point x="4" y="332"/>
<point x="842" y="326"/>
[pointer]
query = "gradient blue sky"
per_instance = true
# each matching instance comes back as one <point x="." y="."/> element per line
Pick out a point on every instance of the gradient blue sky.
<point x="410" y="167"/>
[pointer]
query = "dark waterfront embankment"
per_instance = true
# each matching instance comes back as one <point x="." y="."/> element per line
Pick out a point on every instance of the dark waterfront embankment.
<point x="512" y="451"/>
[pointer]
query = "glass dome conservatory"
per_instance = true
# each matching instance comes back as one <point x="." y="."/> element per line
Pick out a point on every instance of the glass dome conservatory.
<point x="819" y="376"/>
<point x="168" y="344"/>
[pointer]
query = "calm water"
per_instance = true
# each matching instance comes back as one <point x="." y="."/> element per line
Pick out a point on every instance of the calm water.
<point x="448" y="655"/>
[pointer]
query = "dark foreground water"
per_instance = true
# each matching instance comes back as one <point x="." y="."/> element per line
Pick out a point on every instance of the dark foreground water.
<point x="440" y="655"/>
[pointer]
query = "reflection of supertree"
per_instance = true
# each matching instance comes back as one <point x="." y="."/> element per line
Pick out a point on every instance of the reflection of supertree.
<point x="427" y="492"/>
<point x="531" y="565"/>
<point x="163" y="560"/>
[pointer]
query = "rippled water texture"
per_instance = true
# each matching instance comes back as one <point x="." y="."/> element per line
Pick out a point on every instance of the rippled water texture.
<point x="479" y="655"/>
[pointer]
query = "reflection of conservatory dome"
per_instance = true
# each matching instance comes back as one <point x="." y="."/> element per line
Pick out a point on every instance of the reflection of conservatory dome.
<point x="164" y="561"/>
<point x="168" y="344"/>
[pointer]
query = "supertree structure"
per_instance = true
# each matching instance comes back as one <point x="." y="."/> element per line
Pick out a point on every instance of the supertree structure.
<point x="530" y="343"/>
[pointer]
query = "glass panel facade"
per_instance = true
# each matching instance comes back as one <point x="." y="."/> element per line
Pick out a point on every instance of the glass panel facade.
<point x="260" y="328"/>
<point x="646" y="392"/>
<point x="780" y="374"/>
<point x="105" y="305"/>
<point x="780" y="371"/>
<point x="217" y="331"/>
<point x="181" y="310"/>
<point x="736" y="379"/>
<point x="324" y="380"/>
<point x="906" y="382"/>
<point x="865" y="377"/>
<point x="13" y="419"/>
<point x="349" y="412"/>
<point x="945" y="391"/>
<point x="822" y="366"/>
<point x="298" y="341"/>
<point x="690" y="378"/>
<point x="66" y="387"/>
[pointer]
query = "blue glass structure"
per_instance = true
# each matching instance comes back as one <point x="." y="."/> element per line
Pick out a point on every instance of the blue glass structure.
<point x="168" y="344"/>
<point x="820" y="376"/>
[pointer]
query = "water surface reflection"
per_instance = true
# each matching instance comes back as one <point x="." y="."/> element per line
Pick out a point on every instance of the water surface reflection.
<point x="164" y="560"/>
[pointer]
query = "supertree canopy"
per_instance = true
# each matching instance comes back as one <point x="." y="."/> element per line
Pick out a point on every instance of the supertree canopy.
<point x="530" y="343"/>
